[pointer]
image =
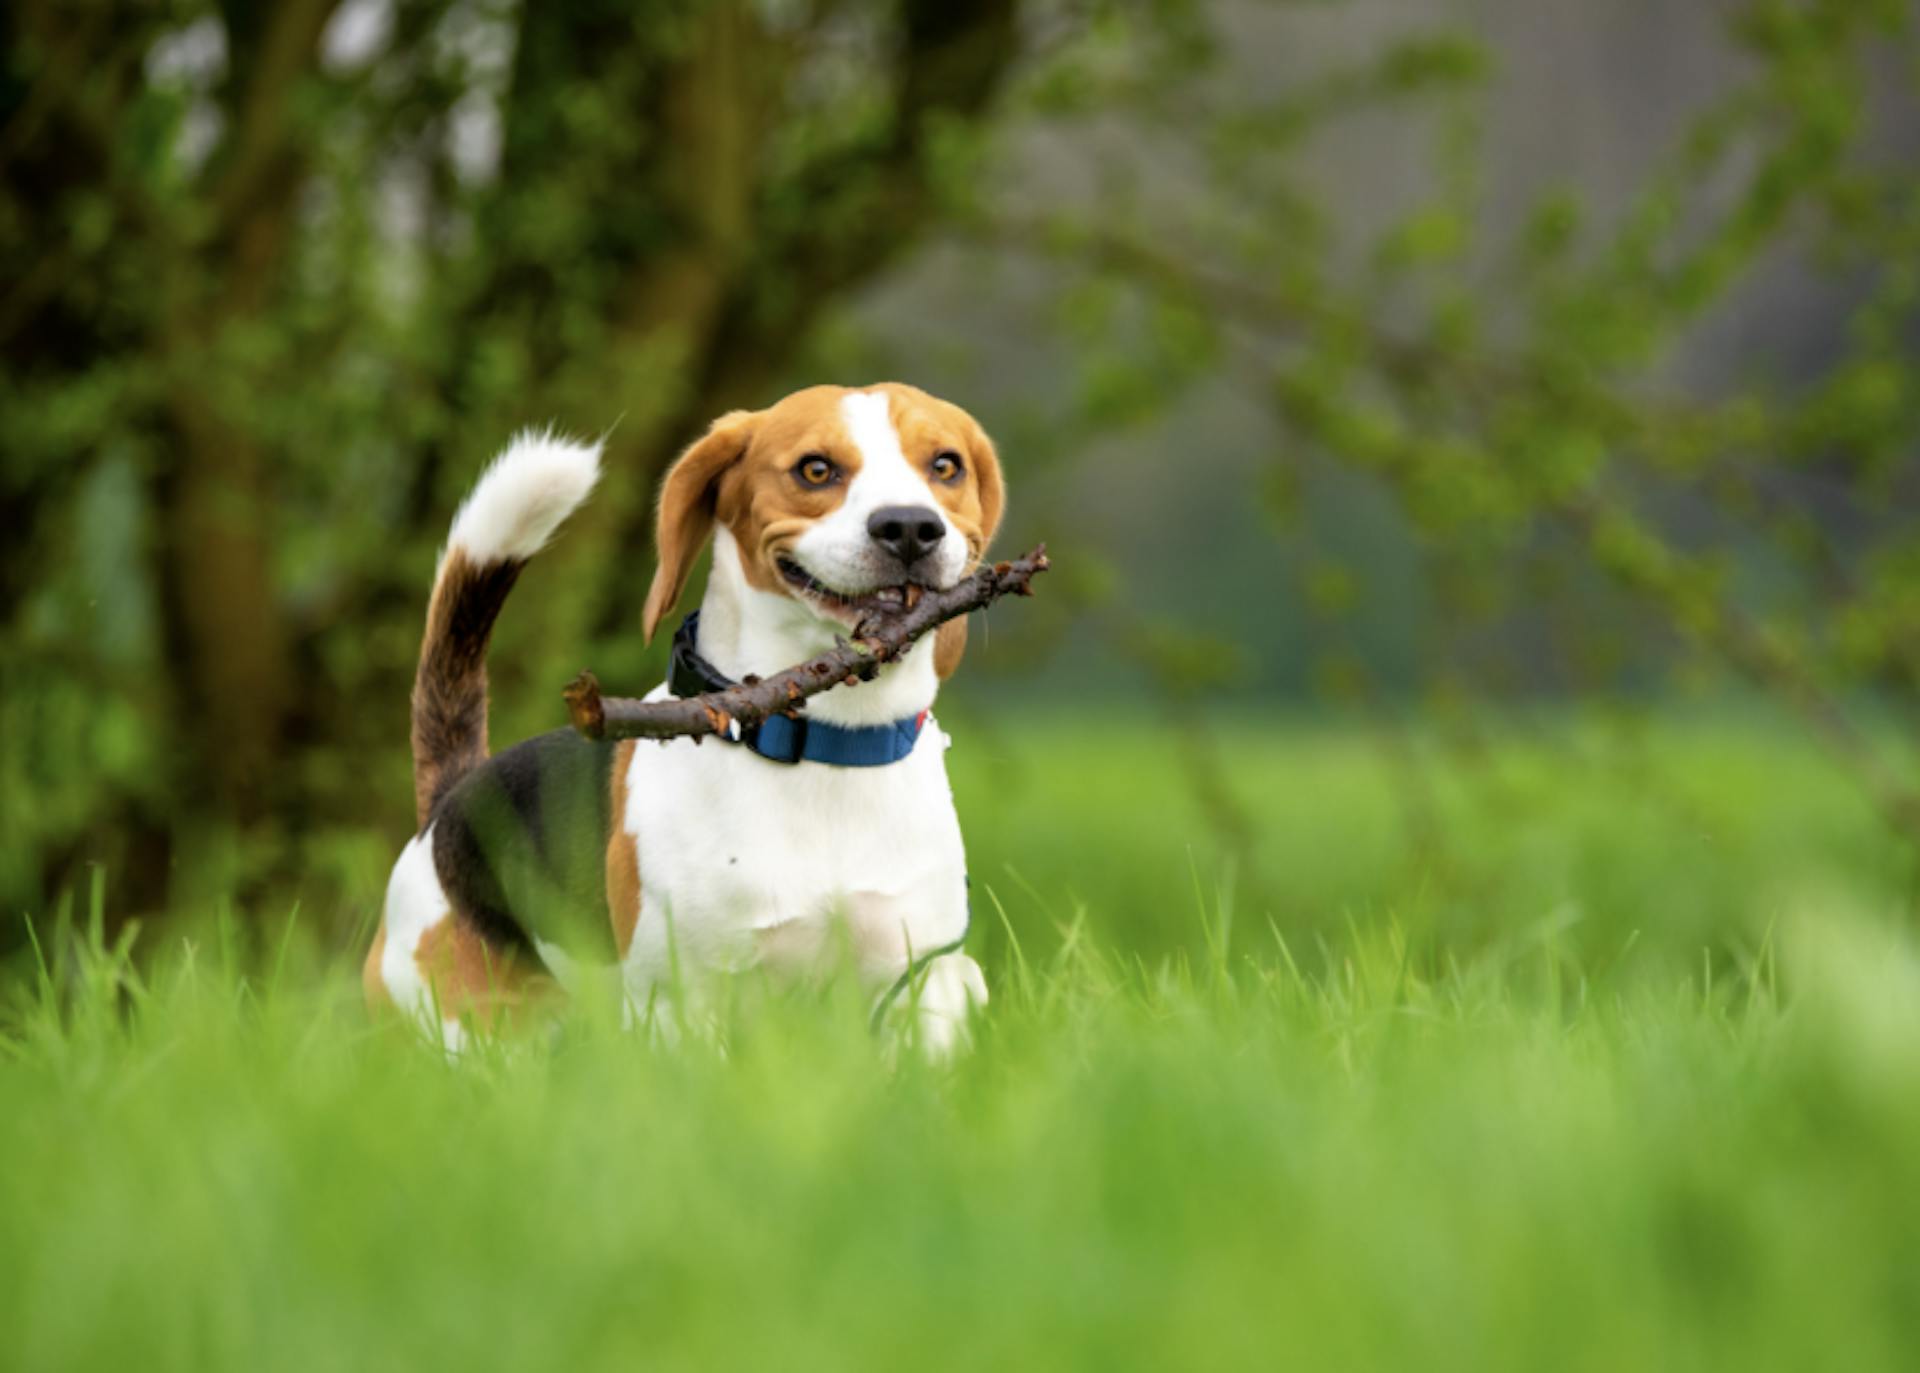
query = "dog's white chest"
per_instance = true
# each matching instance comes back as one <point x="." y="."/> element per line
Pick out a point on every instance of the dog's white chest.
<point x="745" y="861"/>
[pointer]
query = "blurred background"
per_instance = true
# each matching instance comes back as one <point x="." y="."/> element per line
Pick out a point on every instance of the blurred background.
<point x="1479" y="441"/>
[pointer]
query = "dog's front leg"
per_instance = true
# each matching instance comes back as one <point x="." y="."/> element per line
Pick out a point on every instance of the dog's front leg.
<point x="933" y="1005"/>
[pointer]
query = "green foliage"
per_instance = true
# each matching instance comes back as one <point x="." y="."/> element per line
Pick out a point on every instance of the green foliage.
<point x="1512" y="395"/>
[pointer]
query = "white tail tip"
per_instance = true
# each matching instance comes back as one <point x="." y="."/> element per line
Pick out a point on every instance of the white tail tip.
<point x="522" y="497"/>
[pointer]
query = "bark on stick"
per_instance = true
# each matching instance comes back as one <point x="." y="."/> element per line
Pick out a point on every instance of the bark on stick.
<point x="878" y="640"/>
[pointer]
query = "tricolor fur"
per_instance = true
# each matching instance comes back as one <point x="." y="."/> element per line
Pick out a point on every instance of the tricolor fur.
<point x="669" y="858"/>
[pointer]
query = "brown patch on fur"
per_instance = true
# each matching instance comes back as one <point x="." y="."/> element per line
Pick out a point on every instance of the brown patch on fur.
<point x="450" y="687"/>
<point x="949" y="643"/>
<point x="758" y="498"/>
<point x="623" y="858"/>
<point x="741" y="475"/>
<point x="371" y="982"/>
<point x="473" y="979"/>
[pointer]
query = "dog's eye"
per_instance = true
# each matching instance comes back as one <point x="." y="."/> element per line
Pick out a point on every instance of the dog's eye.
<point x="814" y="470"/>
<point x="947" y="467"/>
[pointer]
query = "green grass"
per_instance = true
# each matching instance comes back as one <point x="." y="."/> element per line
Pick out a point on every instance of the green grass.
<point x="1599" y="1064"/>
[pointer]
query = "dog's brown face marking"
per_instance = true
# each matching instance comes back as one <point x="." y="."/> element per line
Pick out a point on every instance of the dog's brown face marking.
<point x="766" y="499"/>
<point x="776" y="477"/>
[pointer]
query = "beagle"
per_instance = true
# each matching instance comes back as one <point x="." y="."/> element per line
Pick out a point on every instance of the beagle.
<point x="829" y="835"/>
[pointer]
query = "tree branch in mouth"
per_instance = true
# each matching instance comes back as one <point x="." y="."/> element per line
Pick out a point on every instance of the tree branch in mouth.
<point x="882" y="636"/>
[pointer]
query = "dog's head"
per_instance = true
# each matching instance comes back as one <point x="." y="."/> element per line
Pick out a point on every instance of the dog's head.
<point x="837" y="499"/>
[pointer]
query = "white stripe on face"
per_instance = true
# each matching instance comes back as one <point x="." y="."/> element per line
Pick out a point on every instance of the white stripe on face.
<point x="838" y="549"/>
<point x="885" y="477"/>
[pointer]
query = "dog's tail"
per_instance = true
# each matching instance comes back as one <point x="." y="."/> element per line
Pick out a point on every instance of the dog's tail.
<point x="522" y="497"/>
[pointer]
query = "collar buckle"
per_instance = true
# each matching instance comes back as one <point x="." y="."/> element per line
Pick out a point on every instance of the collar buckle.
<point x="779" y="739"/>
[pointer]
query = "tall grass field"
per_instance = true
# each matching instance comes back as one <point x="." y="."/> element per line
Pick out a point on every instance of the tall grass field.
<point x="1592" y="1045"/>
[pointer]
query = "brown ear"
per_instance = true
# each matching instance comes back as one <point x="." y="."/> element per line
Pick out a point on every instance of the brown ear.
<point x="950" y="640"/>
<point x="993" y="489"/>
<point x="949" y="644"/>
<point x="686" y="509"/>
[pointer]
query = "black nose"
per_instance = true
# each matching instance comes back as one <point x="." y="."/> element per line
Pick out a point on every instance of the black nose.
<point x="909" y="532"/>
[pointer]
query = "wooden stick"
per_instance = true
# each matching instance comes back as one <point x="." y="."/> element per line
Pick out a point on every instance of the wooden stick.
<point x="878" y="640"/>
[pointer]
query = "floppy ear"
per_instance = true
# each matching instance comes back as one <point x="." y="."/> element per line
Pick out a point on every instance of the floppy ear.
<point x="993" y="489"/>
<point x="949" y="646"/>
<point x="950" y="640"/>
<point x="686" y="509"/>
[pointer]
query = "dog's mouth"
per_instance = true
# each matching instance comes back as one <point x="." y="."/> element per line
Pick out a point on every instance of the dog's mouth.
<point x="886" y="600"/>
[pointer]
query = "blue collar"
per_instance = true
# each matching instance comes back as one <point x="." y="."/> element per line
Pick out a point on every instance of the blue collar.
<point x="793" y="739"/>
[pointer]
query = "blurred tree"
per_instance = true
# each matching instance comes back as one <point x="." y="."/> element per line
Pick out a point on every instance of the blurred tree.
<point x="213" y="322"/>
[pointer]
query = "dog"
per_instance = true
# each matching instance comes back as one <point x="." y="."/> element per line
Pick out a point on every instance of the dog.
<point x="831" y="835"/>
